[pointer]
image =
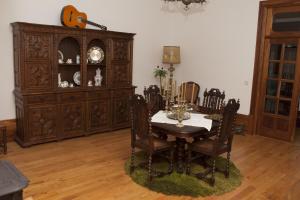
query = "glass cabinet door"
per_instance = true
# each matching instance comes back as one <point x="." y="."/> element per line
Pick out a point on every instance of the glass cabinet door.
<point x="279" y="83"/>
<point x="280" y="78"/>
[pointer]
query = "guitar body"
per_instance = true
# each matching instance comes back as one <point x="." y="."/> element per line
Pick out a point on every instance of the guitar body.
<point x="71" y="17"/>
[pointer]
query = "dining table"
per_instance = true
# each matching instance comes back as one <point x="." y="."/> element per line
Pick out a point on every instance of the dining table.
<point x="196" y="126"/>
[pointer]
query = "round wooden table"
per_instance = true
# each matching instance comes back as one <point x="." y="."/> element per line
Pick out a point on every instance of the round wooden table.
<point x="181" y="134"/>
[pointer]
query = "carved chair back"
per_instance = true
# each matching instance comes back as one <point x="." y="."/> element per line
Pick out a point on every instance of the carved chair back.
<point x="154" y="98"/>
<point x="225" y="133"/>
<point x="141" y="124"/>
<point x="187" y="90"/>
<point x="212" y="101"/>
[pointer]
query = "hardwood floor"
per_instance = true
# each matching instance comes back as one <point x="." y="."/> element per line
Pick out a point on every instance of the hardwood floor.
<point x="92" y="168"/>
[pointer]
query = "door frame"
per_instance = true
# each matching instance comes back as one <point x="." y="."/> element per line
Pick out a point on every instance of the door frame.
<point x="266" y="10"/>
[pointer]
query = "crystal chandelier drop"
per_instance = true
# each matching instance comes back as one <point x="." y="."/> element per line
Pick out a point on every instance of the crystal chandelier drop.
<point x="187" y="3"/>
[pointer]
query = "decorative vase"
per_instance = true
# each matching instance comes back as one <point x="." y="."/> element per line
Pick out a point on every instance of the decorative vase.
<point x="98" y="77"/>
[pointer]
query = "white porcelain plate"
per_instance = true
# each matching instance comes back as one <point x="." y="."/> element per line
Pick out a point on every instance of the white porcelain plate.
<point x="60" y="55"/>
<point x="76" y="78"/>
<point x="95" y="55"/>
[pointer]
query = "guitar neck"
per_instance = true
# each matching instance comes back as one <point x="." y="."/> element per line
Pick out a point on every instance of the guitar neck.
<point x="97" y="25"/>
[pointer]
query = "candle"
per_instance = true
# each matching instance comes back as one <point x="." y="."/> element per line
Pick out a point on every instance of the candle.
<point x="193" y="90"/>
<point x="184" y="91"/>
<point x="181" y="92"/>
<point x="172" y="90"/>
<point x="175" y="88"/>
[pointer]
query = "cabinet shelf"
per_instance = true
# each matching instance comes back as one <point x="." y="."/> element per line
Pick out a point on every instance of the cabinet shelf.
<point x="65" y="64"/>
<point x="100" y="64"/>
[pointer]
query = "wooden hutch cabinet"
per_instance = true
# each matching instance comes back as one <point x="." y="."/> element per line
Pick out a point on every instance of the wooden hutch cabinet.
<point x="56" y="92"/>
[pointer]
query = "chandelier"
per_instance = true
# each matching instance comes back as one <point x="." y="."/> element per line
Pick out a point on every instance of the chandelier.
<point x="187" y="2"/>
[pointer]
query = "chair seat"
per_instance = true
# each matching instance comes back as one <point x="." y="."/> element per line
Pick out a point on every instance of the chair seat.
<point x="158" y="144"/>
<point x="207" y="147"/>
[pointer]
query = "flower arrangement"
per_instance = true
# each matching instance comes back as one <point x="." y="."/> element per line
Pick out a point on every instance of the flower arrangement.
<point x="160" y="72"/>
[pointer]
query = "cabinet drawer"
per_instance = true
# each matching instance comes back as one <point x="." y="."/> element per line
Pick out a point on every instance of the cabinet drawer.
<point x="122" y="93"/>
<point x="41" y="99"/>
<point x="72" y="97"/>
<point x="99" y="95"/>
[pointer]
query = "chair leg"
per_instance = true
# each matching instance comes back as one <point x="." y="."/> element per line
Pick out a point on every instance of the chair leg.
<point x="150" y="168"/>
<point x="227" y="165"/>
<point x="171" y="161"/>
<point x="212" y="180"/>
<point x="4" y="140"/>
<point x="188" y="164"/>
<point x="132" y="160"/>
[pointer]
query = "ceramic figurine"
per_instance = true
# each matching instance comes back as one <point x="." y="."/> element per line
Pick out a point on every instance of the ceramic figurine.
<point x="69" y="61"/>
<point x="90" y="83"/>
<point x="64" y="84"/>
<point x="59" y="80"/>
<point x="98" y="77"/>
<point x="78" y="59"/>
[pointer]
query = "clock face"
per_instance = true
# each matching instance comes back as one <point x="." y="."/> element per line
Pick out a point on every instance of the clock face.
<point x="95" y="55"/>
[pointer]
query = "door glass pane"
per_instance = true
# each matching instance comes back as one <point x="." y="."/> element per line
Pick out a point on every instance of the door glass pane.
<point x="284" y="107"/>
<point x="272" y="87"/>
<point x="286" y="90"/>
<point x="290" y="52"/>
<point x="288" y="71"/>
<point x="273" y="70"/>
<point x="270" y="105"/>
<point x="275" y="52"/>
<point x="286" y="22"/>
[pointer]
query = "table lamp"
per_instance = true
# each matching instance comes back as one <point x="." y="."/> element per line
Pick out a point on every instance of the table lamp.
<point x="171" y="55"/>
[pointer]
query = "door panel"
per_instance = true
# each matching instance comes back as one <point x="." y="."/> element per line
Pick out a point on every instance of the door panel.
<point x="279" y="89"/>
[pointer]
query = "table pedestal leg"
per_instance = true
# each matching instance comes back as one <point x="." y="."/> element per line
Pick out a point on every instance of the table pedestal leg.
<point x="180" y="154"/>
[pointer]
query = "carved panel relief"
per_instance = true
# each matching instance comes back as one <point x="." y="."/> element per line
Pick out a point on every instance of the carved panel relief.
<point x="121" y="110"/>
<point x="120" y="50"/>
<point x="72" y="116"/>
<point x="38" y="75"/>
<point x="37" y="46"/>
<point x="99" y="112"/>
<point x="42" y="122"/>
<point x="120" y="74"/>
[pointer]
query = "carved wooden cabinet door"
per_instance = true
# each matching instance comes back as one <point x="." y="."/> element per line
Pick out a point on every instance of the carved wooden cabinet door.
<point x="121" y="64"/>
<point x="72" y="119"/>
<point x="42" y="123"/>
<point x="121" y="108"/>
<point x="99" y="112"/>
<point x="72" y="114"/>
<point x="37" y="61"/>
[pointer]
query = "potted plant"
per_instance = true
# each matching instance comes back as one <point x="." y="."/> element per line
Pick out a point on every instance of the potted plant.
<point x="160" y="72"/>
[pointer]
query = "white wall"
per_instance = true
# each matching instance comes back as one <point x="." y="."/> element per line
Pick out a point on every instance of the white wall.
<point x="216" y="41"/>
<point x="218" y="47"/>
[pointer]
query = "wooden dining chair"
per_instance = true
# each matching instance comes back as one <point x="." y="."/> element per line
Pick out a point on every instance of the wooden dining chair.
<point x="212" y="101"/>
<point x="142" y="137"/>
<point x="156" y="103"/>
<point x="222" y="143"/>
<point x="186" y="92"/>
<point x="154" y="98"/>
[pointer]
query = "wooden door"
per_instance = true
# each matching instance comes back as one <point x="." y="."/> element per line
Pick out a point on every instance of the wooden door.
<point x="279" y="89"/>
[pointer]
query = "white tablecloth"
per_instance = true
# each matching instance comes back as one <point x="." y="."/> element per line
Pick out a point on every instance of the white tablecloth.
<point x="196" y="119"/>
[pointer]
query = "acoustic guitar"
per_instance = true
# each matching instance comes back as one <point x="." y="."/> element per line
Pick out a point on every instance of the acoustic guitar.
<point x="71" y="17"/>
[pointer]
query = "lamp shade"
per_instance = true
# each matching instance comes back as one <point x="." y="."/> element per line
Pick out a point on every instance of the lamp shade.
<point x="171" y="54"/>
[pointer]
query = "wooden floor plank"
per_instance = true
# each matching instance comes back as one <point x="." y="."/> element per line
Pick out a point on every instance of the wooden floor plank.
<point x="92" y="168"/>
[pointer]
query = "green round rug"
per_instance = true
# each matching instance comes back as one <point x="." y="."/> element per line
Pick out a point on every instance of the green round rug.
<point x="182" y="184"/>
